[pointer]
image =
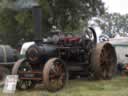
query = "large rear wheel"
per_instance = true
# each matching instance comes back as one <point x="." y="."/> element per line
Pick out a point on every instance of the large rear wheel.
<point x="104" y="61"/>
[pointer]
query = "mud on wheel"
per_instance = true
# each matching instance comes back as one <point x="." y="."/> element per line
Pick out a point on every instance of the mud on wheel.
<point x="22" y="65"/>
<point x="54" y="74"/>
<point x="104" y="61"/>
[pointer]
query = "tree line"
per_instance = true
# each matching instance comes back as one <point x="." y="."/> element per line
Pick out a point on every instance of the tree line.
<point x="67" y="15"/>
<point x="112" y="24"/>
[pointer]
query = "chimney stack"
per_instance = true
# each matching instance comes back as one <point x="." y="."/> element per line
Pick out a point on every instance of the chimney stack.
<point x="37" y="16"/>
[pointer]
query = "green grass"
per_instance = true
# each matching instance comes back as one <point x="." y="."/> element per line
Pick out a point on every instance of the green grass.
<point x="115" y="87"/>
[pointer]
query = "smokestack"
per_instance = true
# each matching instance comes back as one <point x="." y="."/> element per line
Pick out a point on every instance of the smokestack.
<point x="37" y="16"/>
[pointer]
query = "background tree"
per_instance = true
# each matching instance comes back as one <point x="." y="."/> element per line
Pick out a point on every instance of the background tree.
<point x="112" y="24"/>
<point x="67" y="15"/>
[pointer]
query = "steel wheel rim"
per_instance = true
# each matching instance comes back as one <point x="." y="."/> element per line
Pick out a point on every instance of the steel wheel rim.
<point x="107" y="61"/>
<point x="22" y="84"/>
<point x="56" y="77"/>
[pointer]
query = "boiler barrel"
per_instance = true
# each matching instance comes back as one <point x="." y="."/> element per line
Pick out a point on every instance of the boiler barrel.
<point x="36" y="53"/>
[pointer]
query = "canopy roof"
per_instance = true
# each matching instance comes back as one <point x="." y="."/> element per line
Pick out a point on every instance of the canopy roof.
<point x="119" y="41"/>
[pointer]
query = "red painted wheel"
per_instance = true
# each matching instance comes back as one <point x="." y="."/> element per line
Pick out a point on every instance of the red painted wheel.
<point x="54" y="74"/>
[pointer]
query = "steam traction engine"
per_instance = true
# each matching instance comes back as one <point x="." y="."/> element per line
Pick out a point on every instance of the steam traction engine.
<point x="52" y="62"/>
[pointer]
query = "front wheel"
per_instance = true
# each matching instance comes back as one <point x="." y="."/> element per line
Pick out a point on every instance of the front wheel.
<point x="54" y="74"/>
<point x="23" y="65"/>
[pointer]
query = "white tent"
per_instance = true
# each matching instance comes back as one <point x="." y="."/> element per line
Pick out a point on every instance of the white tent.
<point x="121" y="46"/>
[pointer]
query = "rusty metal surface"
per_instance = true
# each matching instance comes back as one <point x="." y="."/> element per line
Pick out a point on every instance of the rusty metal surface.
<point x="104" y="60"/>
<point x="54" y="74"/>
<point x="23" y="83"/>
<point x="16" y="66"/>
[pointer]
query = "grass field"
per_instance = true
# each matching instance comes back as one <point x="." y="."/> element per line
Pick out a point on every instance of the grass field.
<point x="115" y="87"/>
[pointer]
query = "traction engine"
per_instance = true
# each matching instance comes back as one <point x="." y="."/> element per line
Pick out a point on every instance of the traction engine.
<point x="53" y="61"/>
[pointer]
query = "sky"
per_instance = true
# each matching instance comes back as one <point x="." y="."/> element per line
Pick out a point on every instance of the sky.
<point x="120" y="6"/>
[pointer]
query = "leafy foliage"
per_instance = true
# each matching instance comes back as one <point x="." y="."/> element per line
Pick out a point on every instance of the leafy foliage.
<point x="65" y="14"/>
<point x="112" y="24"/>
